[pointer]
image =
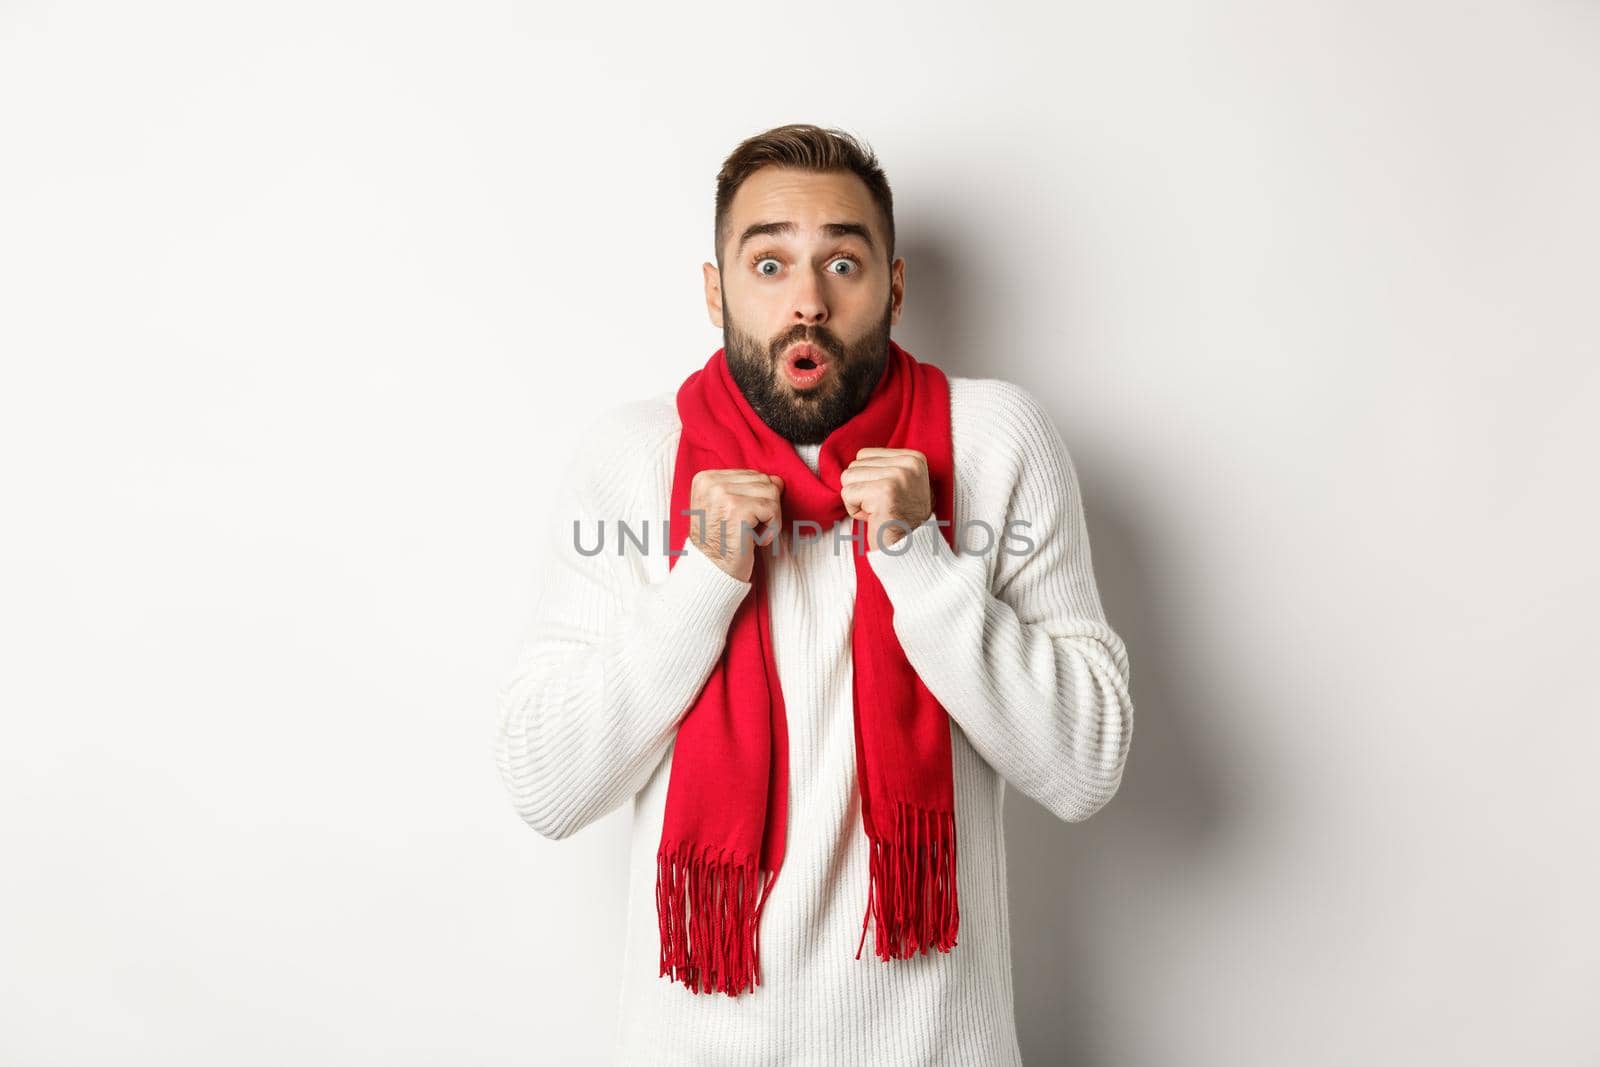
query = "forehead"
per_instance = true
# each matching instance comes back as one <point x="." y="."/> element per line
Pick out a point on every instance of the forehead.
<point x="806" y="198"/>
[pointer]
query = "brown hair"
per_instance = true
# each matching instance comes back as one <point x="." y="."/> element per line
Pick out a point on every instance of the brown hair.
<point x="806" y="147"/>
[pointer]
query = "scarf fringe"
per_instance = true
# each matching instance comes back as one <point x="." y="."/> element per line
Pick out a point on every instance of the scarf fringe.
<point x="709" y="915"/>
<point x="912" y="889"/>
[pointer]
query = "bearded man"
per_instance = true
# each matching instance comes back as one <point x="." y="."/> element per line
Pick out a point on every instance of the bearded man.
<point x="872" y="609"/>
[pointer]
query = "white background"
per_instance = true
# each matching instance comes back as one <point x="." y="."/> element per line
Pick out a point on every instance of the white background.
<point x="301" y="304"/>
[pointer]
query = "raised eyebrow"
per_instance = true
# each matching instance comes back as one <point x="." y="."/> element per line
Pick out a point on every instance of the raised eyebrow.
<point x="785" y="229"/>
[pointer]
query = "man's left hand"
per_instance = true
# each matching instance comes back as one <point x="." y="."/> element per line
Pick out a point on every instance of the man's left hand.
<point x="885" y="484"/>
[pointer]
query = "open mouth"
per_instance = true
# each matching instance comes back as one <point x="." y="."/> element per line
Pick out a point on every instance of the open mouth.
<point x="805" y="365"/>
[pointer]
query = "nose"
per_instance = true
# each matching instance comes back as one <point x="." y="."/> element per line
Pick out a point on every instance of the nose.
<point x="810" y="307"/>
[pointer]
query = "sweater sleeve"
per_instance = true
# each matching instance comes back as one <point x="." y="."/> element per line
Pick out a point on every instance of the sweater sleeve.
<point x="1029" y="669"/>
<point x="610" y="665"/>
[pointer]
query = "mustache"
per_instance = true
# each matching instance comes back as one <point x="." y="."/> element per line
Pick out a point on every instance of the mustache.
<point x="823" y="340"/>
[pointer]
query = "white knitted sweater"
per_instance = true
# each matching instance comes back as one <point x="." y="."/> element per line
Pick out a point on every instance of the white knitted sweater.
<point x="1014" y="645"/>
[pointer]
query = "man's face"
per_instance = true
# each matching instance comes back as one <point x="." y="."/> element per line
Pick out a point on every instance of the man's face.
<point x="824" y="281"/>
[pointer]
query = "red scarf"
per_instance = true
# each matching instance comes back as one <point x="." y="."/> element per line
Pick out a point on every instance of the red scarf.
<point x="727" y="799"/>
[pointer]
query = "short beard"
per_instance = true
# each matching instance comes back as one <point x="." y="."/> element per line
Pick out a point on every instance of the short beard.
<point x="806" y="417"/>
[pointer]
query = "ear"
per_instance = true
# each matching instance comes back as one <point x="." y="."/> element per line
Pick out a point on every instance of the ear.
<point x="713" y="282"/>
<point x="897" y="288"/>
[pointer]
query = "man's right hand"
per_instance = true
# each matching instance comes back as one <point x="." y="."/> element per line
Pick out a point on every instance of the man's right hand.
<point x="719" y="501"/>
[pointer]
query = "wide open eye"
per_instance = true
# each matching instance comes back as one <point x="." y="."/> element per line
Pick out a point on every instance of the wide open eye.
<point x="854" y="266"/>
<point x="765" y="259"/>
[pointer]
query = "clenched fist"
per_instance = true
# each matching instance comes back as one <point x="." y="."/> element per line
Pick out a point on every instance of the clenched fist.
<point x="884" y="484"/>
<point x="719" y="502"/>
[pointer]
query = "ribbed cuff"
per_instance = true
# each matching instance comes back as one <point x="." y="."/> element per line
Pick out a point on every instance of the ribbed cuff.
<point x="917" y="566"/>
<point x="701" y="592"/>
